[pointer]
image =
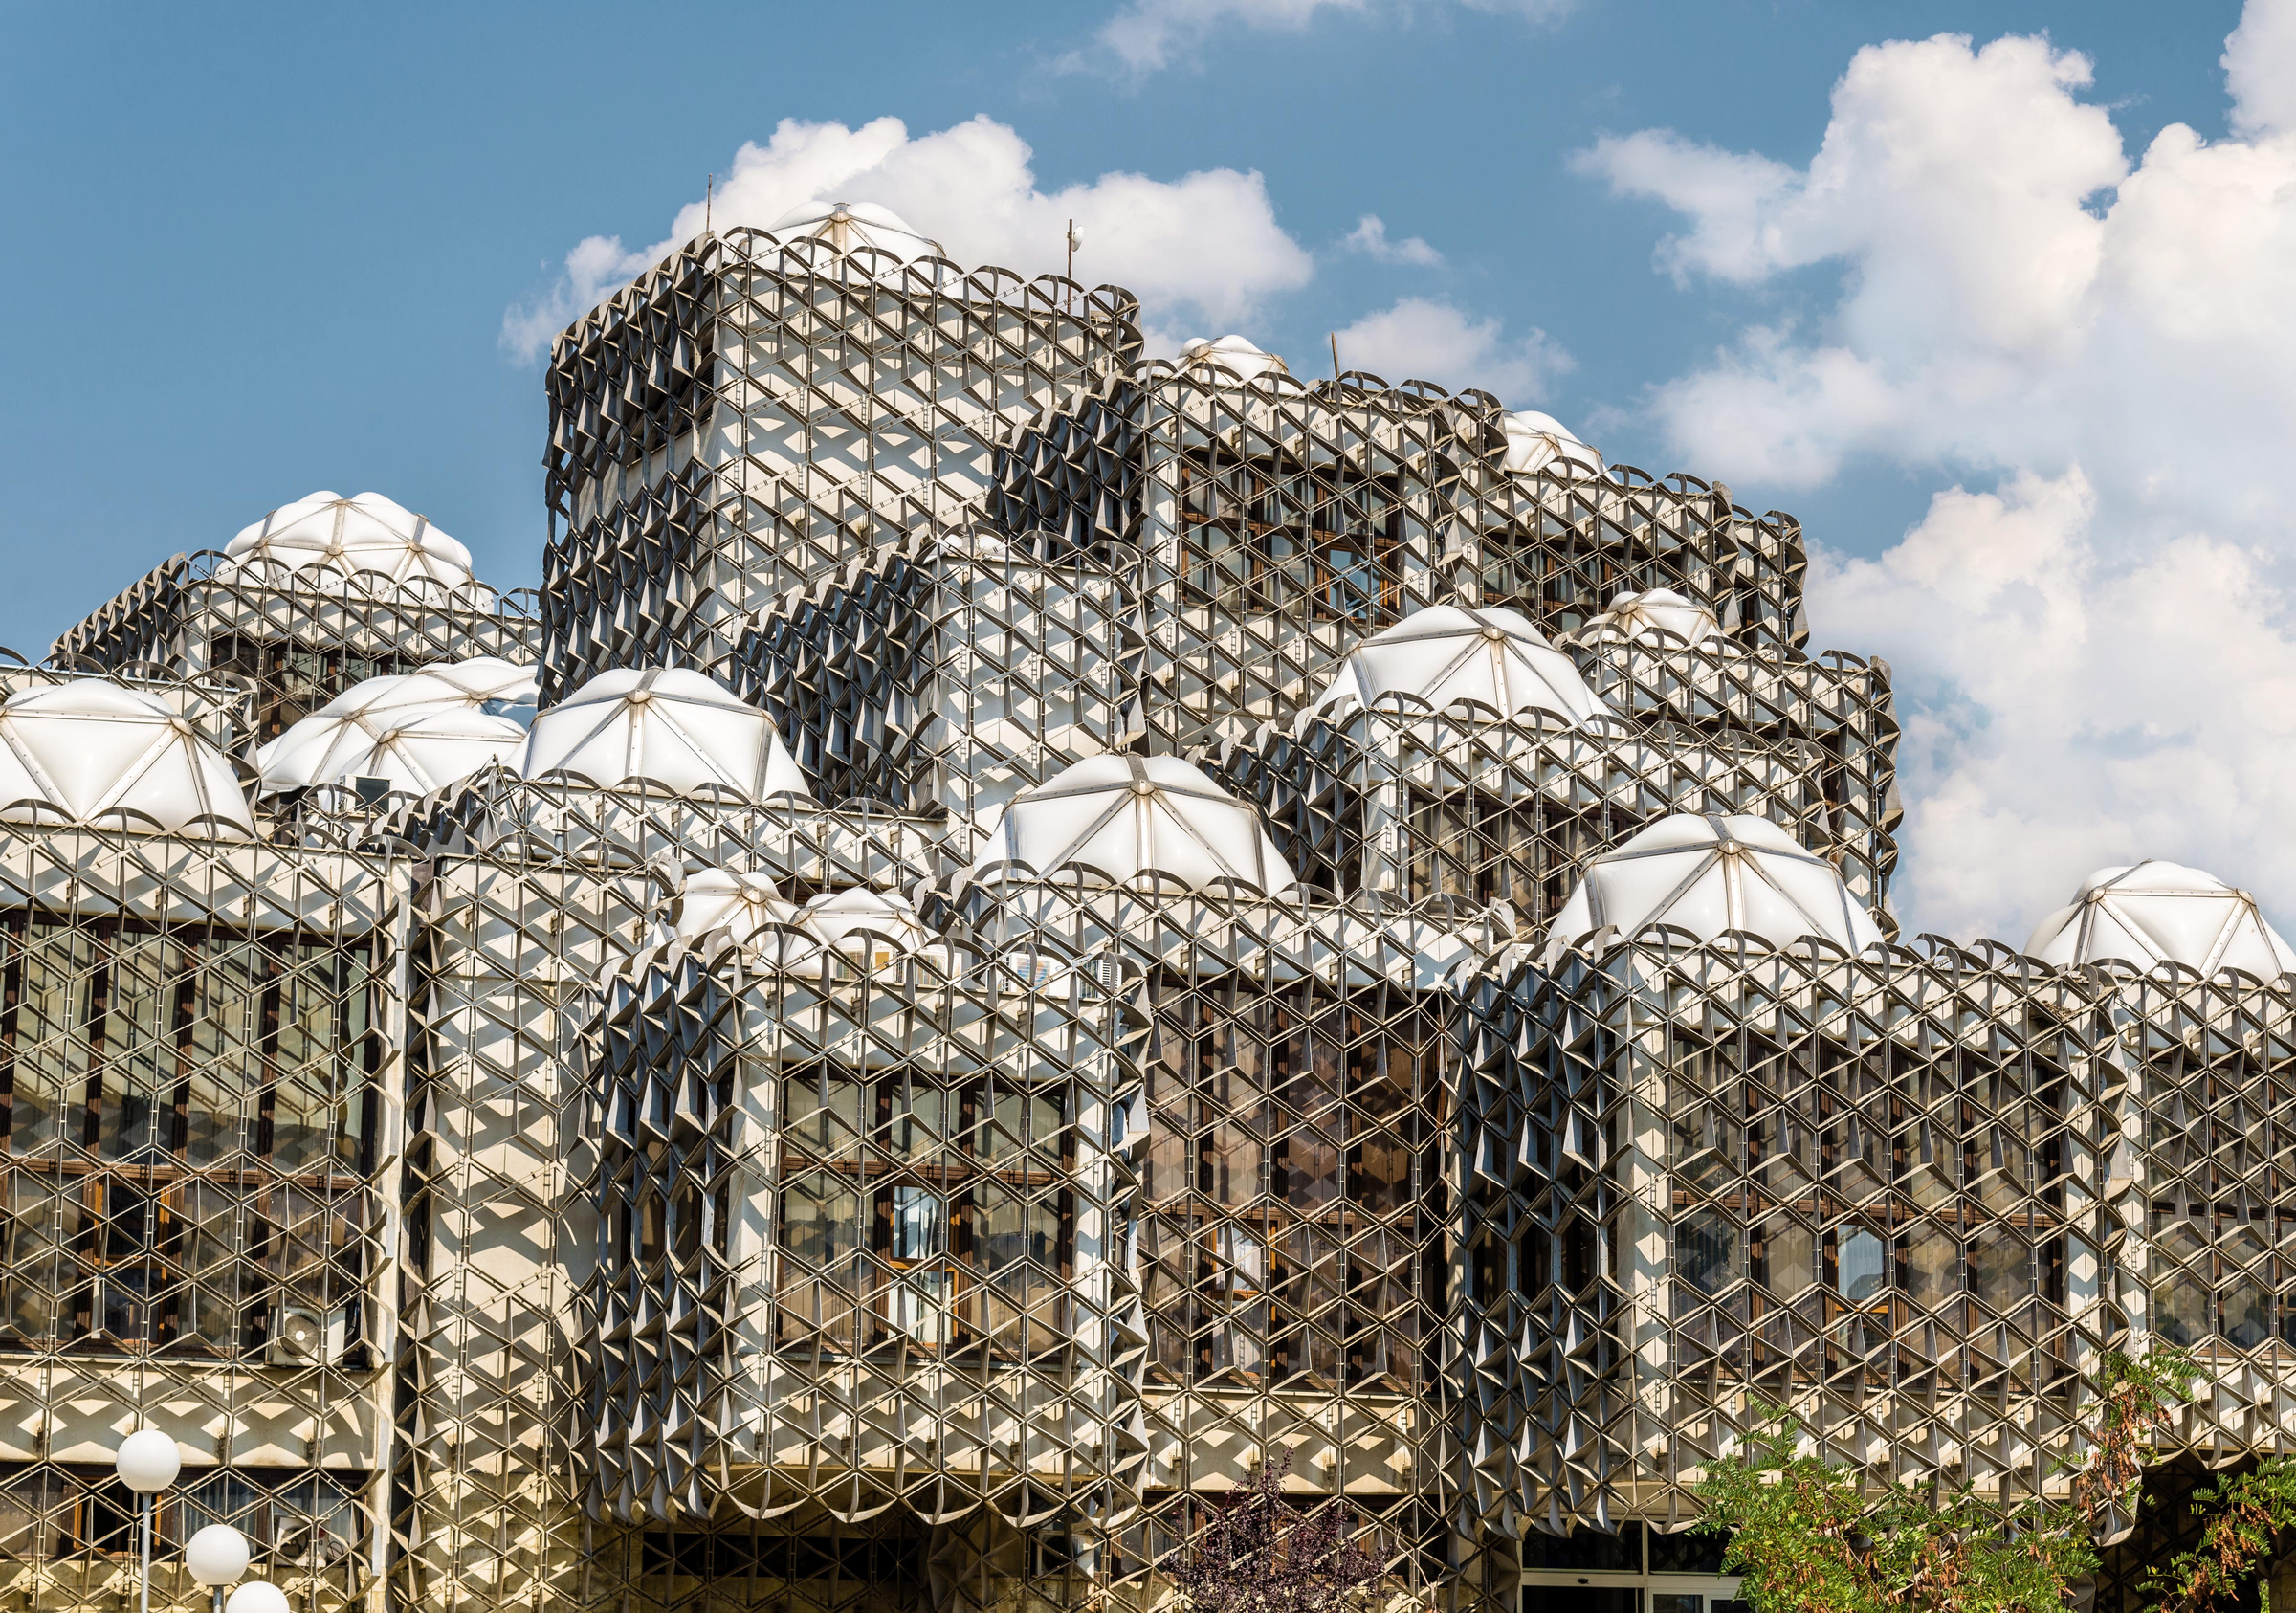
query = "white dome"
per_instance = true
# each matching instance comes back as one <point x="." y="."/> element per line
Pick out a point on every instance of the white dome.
<point x="482" y="683"/>
<point x="667" y="724"/>
<point x="95" y="751"/>
<point x="719" y="898"/>
<point x="1234" y="353"/>
<point x="417" y="731"/>
<point x="2163" y="913"/>
<point x="1444" y="652"/>
<point x="1128" y="815"/>
<point x="848" y="224"/>
<point x="842" y="913"/>
<point x="368" y="533"/>
<point x="743" y="904"/>
<point x="1634" y="616"/>
<point x="1712" y="874"/>
<point x="415" y="749"/>
<point x="1535" y="441"/>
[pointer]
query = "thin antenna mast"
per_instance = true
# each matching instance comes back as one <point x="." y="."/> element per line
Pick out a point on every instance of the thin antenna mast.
<point x="708" y="198"/>
<point x="1335" y="335"/>
<point x="1074" y="241"/>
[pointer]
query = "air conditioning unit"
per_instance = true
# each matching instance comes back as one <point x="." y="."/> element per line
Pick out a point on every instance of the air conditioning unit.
<point x="302" y="1336"/>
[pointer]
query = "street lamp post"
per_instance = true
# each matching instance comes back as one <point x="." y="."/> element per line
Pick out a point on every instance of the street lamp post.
<point x="216" y="1555"/>
<point x="147" y="1464"/>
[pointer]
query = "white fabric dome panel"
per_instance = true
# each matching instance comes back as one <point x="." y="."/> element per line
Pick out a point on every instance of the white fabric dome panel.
<point x="326" y="532"/>
<point x="1537" y="441"/>
<point x="96" y="752"/>
<point x="670" y="725"/>
<point x="1712" y="874"/>
<point x="2152" y="913"/>
<point x="1444" y="652"/>
<point x="1123" y="816"/>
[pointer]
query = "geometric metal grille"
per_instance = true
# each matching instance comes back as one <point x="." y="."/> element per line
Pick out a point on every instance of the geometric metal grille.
<point x="1463" y="803"/>
<point x="1292" y="1213"/>
<point x="482" y="1514"/>
<point x="1277" y="523"/>
<point x="954" y="672"/>
<point x="754" y="414"/>
<point x="2208" y="1196"/>
<point x="199" y="1082"/>
<point x="860" y="1264"/>
<point x="1865" y="1189"/>
<point x="1831" y="714"/>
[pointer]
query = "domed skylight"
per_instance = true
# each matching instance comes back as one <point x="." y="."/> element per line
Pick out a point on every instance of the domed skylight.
<point x="1230" y="352"/>
<point x="368" y="533"/>
<point x="1712" y="874"/>
<point x="1653" y="612"/>
<point x="1129" y="815"/>
<point x="743" y="904"/>
<point x="2163" y="913"/>
<point x="96" y="752"/>
<point x="720" y="898"/>
<point x="413" y="732"/>
<point x="1445" y="654"/>
<point x="670" y="725"/>
<point x="1537" y="441"/>
<point x="848" y="225"/>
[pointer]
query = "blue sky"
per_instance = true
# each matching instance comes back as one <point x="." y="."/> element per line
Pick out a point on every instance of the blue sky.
<point x="259" y="250"/>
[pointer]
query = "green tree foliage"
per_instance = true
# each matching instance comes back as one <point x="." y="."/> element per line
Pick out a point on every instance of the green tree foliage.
<point x="1814" y="1537"/>
<point x="2249" y="1510"/>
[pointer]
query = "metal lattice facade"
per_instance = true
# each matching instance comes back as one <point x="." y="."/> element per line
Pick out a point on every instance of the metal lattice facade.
<point x="295" y="641"/>
<point x="754" y="414"/>
<point x="203" y="1047"/>
<point x="493" y="1233"/>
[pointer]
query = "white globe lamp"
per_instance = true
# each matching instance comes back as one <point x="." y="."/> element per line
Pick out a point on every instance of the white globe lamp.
<point x="148" y="1461"/>
<point x="216" y="1557"/>
<point x="258" y="1596"/>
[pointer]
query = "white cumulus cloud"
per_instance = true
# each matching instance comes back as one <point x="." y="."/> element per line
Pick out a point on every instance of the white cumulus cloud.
<point x="1204" y="247"/>
<point x="1419" y="340"/>
<point x="1147" y="36"/>
<point x="1369" y="237"/>
<point x="2095" y="356"/>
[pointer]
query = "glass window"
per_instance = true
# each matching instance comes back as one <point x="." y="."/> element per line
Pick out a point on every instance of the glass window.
<point x="1933" y="1263"/>
<point x="942" y="1214"/>
<point x="225" y="1084"/>
<point x="1706" y="1251"/>
<point x="1859" y="1270"/>
<point x="2000" y="1268"/>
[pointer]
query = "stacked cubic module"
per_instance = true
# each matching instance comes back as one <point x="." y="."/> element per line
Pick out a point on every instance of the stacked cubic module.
<point x="764" y="407"/>
<point x="1292" y="1217"/>
<point x="320" y="595"/>
<point x="1458" y="754"/>
<point x="1663" y="663"/>
<point x="1724" y="1147"/>
<point x="859" y="1283"/>
<point x="201" y="1066"/>
<point x="2205" y="1007"/>
<point x="536" y="889"/>
<point x="1276" y="523"/>
<point x="952" y="672"/>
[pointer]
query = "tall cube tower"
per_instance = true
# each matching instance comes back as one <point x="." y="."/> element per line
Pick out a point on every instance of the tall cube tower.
<point x="765" y="408"/>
